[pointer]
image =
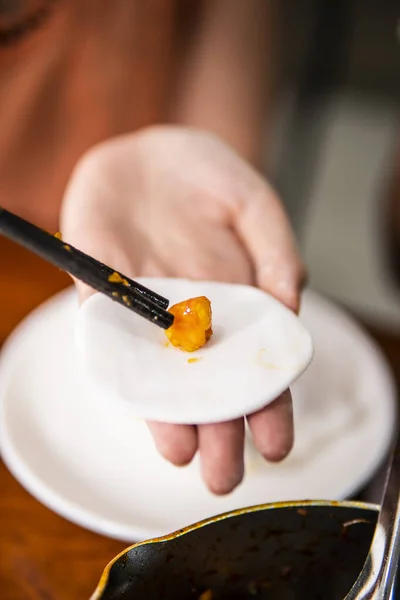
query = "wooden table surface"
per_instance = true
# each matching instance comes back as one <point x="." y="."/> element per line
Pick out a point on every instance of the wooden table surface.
<point x="43" y="556"/>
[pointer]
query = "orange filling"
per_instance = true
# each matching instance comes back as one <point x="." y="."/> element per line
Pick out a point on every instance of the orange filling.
<point x="192" y="326"/>
<point x="116" y="278"/>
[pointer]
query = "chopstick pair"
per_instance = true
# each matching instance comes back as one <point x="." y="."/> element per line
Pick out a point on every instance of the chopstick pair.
<point x="118" y="287"/>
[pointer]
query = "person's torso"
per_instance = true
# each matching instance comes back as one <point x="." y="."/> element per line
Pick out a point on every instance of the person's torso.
<point x="92" y="69"/>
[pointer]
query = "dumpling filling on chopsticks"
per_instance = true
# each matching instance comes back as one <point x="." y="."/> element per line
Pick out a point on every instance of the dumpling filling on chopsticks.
<point x="192" y="326"/>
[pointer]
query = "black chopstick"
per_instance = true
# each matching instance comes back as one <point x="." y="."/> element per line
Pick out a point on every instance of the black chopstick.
<point x="104" y="279"/>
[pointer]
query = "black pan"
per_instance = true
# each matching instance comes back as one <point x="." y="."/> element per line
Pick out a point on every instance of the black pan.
<point x="293" y="551"/>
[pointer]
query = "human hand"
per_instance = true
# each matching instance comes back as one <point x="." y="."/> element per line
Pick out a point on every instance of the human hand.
<point x="175" y="202"/>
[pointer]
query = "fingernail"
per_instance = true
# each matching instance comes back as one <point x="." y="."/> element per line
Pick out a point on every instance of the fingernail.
<point x="287" y="294"/>
<point x="227" y="483"/>
<point x="283" y="288"/>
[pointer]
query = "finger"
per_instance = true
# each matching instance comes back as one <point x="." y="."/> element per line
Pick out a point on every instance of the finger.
<point x="89" y="222"/>
<point x="265" y="230"/>
<point x="221" y="449"/>
<point x="176" y="443"/>
<point x="272" y="428"/>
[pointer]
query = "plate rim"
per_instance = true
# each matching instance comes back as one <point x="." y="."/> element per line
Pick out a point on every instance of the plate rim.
<point x="83" y="517"/>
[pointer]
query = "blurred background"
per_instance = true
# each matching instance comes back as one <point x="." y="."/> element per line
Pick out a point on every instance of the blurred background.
<point x="337" y="159"/>
<point x="336" y="162"/>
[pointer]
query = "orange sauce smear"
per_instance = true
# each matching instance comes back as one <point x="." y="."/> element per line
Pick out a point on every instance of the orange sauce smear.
<point x="116" y="278"/>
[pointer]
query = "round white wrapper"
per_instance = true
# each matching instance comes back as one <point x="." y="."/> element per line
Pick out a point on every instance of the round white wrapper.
<point x="258" y="349"/>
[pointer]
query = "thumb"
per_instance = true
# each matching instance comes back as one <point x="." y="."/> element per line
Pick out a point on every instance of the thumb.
<point x="89" y="222"/>
<point x="264" y="228"/>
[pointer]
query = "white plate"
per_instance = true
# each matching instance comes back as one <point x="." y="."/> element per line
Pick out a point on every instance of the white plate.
<point x="259" y="348"/>
<point x="98" y="468"/>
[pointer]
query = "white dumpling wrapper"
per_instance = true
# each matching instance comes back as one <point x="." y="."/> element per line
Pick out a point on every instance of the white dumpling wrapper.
<point x="259" y="348"/>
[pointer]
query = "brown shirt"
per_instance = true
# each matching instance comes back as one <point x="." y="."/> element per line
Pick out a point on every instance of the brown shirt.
<point x="85" y="71"/>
